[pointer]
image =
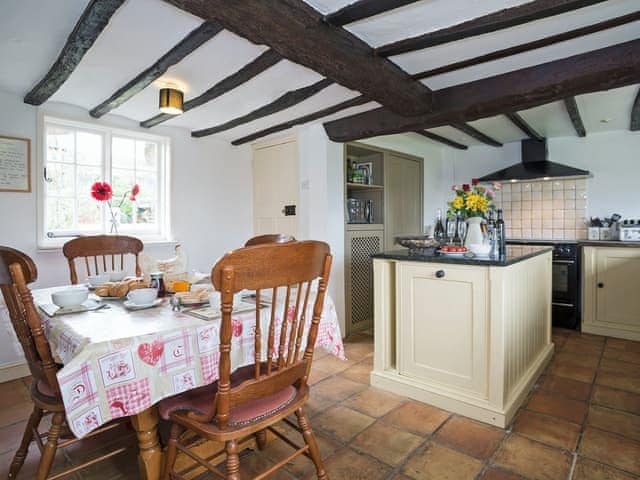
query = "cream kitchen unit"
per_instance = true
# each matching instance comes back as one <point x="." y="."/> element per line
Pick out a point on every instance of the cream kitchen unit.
<point x="611" y="298"/>
<point x="467" y="335"/>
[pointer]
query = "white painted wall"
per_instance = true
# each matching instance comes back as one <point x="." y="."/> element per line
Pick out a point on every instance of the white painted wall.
<point x="211" y="196"/>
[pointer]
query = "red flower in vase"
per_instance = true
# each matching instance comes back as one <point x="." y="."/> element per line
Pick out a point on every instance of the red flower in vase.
<point x="135" y="190"/>
<point x="466" y="187"/>
<point x="101" y="191"/>
<point x="474" y="181"/>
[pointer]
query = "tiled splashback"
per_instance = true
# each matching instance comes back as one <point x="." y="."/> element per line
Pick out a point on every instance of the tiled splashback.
<point x="547" y="209"/>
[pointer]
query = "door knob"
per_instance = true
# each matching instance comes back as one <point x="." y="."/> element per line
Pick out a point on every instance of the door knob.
<point x="600" y="285"/>
<point x="440" y="274"/>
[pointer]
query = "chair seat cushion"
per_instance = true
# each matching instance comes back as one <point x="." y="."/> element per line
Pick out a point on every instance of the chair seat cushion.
<point x="200" y="401"/>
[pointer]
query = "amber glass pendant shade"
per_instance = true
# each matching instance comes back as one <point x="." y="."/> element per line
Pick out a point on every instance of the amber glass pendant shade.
<point x="171" y="101"/>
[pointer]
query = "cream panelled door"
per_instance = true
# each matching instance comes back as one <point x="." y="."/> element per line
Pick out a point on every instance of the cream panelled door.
<point x="275" y="186"/>
<point x="443" y="325"/>
<point x="403" y="194"/>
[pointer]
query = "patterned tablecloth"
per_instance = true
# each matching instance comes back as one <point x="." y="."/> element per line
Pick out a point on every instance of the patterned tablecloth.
<point x="118" y="362"/>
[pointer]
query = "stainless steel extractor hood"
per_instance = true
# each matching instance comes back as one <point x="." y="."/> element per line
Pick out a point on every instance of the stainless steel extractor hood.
<point x="534" y="166"/>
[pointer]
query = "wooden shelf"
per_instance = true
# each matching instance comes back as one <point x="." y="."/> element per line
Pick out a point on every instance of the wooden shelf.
<point x="363" y="186"/>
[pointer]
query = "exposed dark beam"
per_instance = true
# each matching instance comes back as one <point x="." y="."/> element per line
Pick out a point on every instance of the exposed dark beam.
<point x="354" y="102"/>
<point x="298" y="32"/>
<point x="574" y="115"/>
<point x="509" y="17"/>
<point x="246" y="73"/>
<point x="525" y="47"/>
<point x="440" y="139"/>
<point x="287" y="100"/>
<point x="94" y="18"/>
<point x="635" y="114"/>
<point x="363" y="9"/>
<point x="603" y="69"/>
<point x="188" y="44"/>
<point x="477" y="134"/>
<point x="522" y="124"/>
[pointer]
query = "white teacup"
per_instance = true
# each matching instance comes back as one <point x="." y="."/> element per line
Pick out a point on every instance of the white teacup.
<point x="116" y="275"/>
<point x="142" y="296"/>
<point x="97" y="280"/>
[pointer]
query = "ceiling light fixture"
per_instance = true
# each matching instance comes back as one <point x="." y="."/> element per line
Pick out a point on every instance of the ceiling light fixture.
<point x="171" y="101"/>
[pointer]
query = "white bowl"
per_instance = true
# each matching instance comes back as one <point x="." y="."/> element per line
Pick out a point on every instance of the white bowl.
<point x="143" y="296"/>
<point x="480" y="248"/>
<point x="97" y="280"/>
<point x="116" y="275"/>
<point x="70" y="297"/>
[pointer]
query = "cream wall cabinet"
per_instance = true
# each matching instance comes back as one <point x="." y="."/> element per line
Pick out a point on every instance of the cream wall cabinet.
<point x="403" y="179"/>
<point x="611" y="304"/>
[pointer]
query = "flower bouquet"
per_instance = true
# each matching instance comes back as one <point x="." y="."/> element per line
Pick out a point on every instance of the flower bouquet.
<point x="472" y="200"/>
<point x="102" y="192"/>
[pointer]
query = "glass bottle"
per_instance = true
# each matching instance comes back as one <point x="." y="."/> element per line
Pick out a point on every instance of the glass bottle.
<point x="457" y="239"/>
<point x="438" y="232"/>
<point x="501" y="234"/>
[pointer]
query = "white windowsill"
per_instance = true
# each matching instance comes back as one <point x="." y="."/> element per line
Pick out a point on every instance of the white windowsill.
<point x="152" y="243"/>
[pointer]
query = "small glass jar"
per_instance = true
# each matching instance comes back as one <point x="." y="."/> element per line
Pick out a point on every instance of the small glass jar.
<point x="157" y="282"/>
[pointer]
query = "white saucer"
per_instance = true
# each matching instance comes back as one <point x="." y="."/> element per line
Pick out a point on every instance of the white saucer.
<point x="140" y="306"/>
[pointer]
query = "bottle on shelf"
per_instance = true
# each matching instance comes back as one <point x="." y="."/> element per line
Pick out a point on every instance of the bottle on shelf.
<point x="501" y="235"/>
<point x="438" y="231"/>
<point x="491" y="234"/>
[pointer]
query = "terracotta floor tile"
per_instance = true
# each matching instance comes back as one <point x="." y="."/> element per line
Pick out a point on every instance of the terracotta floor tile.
<point x="549" y="430"/>
<point x="615" y="421"/>
<point x="30" y="466"/>
<point x="571" y="410"/>
<point x="10" y="436"/>
<point x="626" y="345"/>
<point x="301" y="465"/>
<point x="622" y="355"/>
<point x="13" y="392"/>
<point x="566" y="387"/>
<point x="417" y="417"/>
<point x="442" y="463"/>
<point x="15" y="413"/>
<point x="358" y="351"/>
<point x="386" y="443"/>
<point x="470" y="437"/>
<point x="374" y="402"/>
<point x="337" y="388"/>
<point x="587" y="337"/>
<point x="613" y="365"/>
<point x="317" y="375"/>
<point x="360" y="373"/>
<point x="317" y="404"/>
<point x="532" y="459"/>
<point x="349" y="464"/>
<point x="499" y="474"/>
<point x="558" y="341"/>
<point x="574" y="372"/>
<point x="618" y="399"/>
<point x="582" y="347"/>
<point x="589" y="470"/>
<point x="332" y="364"/>
<point x="570" y="358"/>
<point x="611" y="449"/>
<point x="343" y="423"/>
<point x="621" y="381"/>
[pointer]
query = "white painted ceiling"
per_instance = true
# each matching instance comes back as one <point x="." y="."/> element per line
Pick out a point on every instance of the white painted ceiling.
<point x="32" y="32"/>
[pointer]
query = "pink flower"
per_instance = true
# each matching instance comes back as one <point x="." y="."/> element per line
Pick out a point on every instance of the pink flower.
<point x="490" y="193"/>
<point x="474" y="181"/>
<point x="466" y="187"/>
<point x="455" y="188"/>
<point x="497" y="186"/>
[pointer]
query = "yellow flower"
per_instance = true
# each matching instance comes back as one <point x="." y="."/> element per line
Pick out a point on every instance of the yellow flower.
<point x="477" y="202"/>
<point x="457" y="203"/>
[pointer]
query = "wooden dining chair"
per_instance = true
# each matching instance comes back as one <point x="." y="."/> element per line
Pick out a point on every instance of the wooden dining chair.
<point x="101" y="253"/>
<point x="17" y="270"/>
<point x="250" y="401"/>
<point x="269" y="238"/>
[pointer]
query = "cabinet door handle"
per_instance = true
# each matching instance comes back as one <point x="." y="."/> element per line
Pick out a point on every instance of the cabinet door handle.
<point x="440" y="274"/>
<point x="600" y="285"/>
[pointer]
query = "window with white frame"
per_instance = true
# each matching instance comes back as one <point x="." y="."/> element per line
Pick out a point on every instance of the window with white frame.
<point x="76" y="156"/>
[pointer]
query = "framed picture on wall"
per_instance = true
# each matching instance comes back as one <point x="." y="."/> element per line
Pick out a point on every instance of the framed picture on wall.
<point x="366" y="171"/>
<point x="15" y="164"/>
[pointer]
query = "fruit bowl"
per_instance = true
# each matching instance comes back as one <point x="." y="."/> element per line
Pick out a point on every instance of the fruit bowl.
<point x="418" y="242"/>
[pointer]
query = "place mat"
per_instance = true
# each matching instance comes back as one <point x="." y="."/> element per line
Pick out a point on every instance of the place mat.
<point x="53" y="310"/>
<point x="211" y="313"/>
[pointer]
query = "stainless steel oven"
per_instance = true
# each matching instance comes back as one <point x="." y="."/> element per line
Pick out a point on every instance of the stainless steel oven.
<point x="565" y="302"/>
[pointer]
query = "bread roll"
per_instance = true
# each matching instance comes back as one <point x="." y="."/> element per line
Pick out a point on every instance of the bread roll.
<point x="102" y="290"/>
<point x="119" y="289"/>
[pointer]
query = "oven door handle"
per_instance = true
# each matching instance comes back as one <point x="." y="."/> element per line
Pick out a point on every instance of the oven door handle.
<point x="564" y="262"/>
<point x="560" y="304"/>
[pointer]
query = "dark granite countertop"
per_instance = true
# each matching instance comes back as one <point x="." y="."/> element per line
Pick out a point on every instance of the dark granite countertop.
<point x="608" y="243"/>
<point x="515" y="254"/>
<point x="585" y="243"/>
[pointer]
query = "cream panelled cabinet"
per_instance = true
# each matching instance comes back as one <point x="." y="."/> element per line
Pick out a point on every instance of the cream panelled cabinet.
<point x="443" y="335"/>
<point x="610" y="291"/>
<point x="403" y="194"/>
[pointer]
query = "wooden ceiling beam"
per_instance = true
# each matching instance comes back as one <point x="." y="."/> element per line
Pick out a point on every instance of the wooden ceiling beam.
<point x="477" y="134"/>
<point x="188" y="44"/>
<point x="298" y="32"/>
<point x="509" y="17"/>
<point x="363" y="9"/>
<point x="92" y="22"/>
<point x="524" y="126"/>
<point x="526" y="47"/>
<point x="574" y="115"/>
<point x="287" y="100"/>
<point x="603" y="69"/>
<point x="440" y="139"/>
<point x="634" y="125"/>
<point x="266" y="60"/>
<point x="354" y="102"/>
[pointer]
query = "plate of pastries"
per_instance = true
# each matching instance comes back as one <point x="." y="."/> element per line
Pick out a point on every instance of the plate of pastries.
<point x="119" y="290"/>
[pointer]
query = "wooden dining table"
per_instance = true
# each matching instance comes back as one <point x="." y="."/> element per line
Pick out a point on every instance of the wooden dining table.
<point x="121" y="363"/>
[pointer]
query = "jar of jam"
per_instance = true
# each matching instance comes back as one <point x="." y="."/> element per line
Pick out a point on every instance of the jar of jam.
<point x="157" y="282"/>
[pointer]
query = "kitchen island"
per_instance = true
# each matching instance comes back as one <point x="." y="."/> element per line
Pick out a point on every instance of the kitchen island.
<point x="468" y="335"/>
